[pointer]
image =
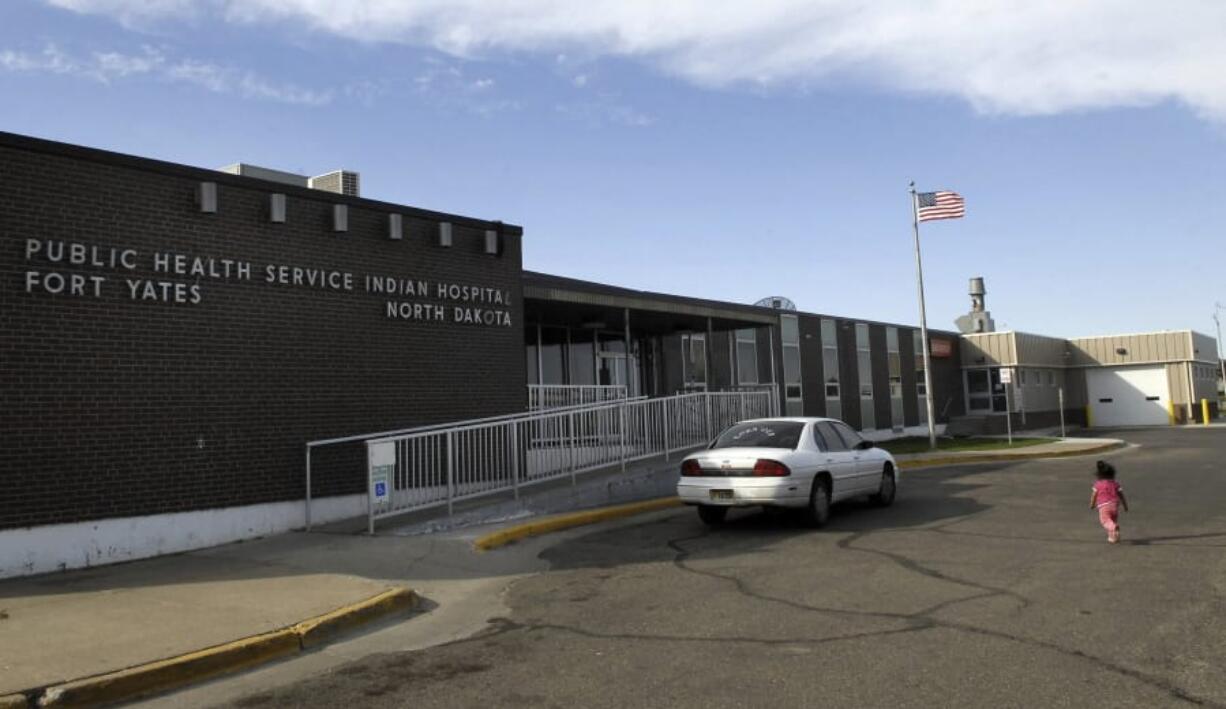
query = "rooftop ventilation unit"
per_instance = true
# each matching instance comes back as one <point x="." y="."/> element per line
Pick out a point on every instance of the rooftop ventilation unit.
<point x="338" y="181"/>
<point x="264" y="173"/>
<point x="979" y="319"/>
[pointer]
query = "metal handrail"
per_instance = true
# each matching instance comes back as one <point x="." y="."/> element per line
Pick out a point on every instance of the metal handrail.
<point x="419" y="429"/>
<point x="468" y="459"/>
<point x="540" y="396"/>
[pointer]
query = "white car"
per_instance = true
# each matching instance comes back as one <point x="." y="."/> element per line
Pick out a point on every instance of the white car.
<point x="803" y="463"/>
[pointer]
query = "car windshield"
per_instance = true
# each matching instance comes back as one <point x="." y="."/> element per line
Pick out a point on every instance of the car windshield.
<point x="761" y="434"/>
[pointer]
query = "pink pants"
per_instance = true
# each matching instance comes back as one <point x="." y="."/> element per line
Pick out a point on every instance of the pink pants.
<point x="1108" y="516"/>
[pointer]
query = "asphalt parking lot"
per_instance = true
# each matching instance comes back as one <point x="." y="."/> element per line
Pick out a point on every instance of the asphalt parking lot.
<point x="983" y="585"/>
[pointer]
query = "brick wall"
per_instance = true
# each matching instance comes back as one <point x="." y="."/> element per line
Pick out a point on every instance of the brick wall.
<point x="115" y="406"/>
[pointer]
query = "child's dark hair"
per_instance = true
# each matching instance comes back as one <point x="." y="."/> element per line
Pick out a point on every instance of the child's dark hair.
<point x="1104" y="470"/>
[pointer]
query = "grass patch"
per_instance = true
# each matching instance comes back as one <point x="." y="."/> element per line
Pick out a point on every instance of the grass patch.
<point x="919" y="444"/>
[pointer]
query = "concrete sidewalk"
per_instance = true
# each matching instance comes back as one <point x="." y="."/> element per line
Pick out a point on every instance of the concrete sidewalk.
<point x="61" y="627"/>
<point x="57" y="628"/>
<point x="1057" y="449"/>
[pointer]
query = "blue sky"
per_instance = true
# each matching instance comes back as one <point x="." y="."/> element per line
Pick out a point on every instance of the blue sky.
<point x="731" y="158"/>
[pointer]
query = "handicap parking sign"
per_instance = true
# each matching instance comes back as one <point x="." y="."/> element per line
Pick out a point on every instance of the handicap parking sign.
<point x="382" y="461"/>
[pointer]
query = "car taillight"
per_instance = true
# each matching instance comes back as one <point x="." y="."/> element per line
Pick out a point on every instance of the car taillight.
<point x="691" y="468"/>
<point x="770" y="469"/>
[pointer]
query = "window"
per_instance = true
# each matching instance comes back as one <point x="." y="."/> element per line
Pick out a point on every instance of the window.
<point x="694" y="360"/>
<point x="789" y="330"/>
<point x="830" y="369"/>
<point x="819" y="439"/>
<point x="582" y="357"/>
<point x="761" y="434"/>
<point x="746" y="356"/>
<point x="850" y="438"/>
<point x="894" y="359"/>
<point x="978" y="390"/>
<point x="830" y="436"/>
<point x="864" y="367"/>
<point x="553" y="342"/>
<point x="1051" y="378"/>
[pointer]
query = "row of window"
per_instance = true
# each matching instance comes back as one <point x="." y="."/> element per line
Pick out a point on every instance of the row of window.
<point x="1204" y="372"/>
<point x="1037" y="378"/>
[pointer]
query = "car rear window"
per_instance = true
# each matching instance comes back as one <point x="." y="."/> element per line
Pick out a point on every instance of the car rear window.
<point x="761" y="434"/>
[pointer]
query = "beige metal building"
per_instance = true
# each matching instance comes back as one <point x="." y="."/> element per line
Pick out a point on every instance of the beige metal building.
<point x="1120" y="380"/>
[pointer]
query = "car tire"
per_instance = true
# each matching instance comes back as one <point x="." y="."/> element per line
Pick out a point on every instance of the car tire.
<point x="712" y="515"/>
<point x="884" y="497"/>
<point x="818" y="511"/>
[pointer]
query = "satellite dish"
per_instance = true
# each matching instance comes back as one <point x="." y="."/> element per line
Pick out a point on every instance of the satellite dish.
<point x="777" y="302"/>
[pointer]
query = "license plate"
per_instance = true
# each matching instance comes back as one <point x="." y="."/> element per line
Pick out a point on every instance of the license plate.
<point x="721" y="495"/>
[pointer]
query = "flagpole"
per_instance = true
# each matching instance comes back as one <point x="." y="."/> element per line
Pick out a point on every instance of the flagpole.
<point x="919" y="279"/>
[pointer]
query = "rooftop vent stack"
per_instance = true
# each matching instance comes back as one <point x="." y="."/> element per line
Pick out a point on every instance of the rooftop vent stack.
<point x="338" y="181"/>
<point x="979" y="319"/>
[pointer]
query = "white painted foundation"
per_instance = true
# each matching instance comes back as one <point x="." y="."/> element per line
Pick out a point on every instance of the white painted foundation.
<point x="885" y="434"/>
<point x="59" y="547"/>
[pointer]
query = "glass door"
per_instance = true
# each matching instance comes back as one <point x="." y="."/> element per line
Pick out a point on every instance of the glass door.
<point x="978" y="391"/>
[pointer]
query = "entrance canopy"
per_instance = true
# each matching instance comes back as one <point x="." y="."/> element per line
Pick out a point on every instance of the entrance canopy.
<point x="584" y="334"/>
<point x="554" y="300"/>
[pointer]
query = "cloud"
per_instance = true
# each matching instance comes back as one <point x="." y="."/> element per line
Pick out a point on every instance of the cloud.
<point x="106" y="67"/>
<point x="445" y="85"/>
<point x="1001" y="56"/>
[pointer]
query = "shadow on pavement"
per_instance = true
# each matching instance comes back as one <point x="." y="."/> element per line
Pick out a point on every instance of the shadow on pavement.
<point x="936" y="496"/>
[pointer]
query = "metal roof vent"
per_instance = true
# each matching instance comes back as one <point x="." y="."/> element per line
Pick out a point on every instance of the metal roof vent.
<point x="979" y="319"/>
<point x="338" y="181"/>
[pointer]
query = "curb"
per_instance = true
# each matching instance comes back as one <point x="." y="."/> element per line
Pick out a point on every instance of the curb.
<point x="162" y="675"/>
<point x="324" y="628"/>
<point x="1004" y="458"/>
<point x="503" y="537"/>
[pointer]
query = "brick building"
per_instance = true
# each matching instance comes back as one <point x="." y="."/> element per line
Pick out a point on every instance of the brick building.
<point x="173" y="337"/>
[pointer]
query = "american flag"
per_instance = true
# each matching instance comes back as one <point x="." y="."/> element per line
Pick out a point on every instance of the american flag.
<point x="939" y="205"/>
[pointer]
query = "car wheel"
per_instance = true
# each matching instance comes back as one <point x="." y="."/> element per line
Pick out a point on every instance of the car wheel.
<point x="885" y="493"/>
<point x="712" y="515"/>
<point x="818" y="511"/>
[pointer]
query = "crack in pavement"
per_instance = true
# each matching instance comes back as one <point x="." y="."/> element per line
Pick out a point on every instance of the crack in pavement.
<point x="507" y="625"/>
<point x="925" y="616"/>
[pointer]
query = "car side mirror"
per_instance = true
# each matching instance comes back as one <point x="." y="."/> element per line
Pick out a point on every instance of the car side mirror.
<point x="864" y="445"/>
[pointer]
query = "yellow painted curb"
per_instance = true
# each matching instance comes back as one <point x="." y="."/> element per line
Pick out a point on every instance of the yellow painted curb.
<point x="14" y="701"/>
<point x="321" y="629"/>
<point x="173" y="672"/>
<point x="1003" y="458"/>
<point x="222" y="659"/>
<point x="503" y="537"/>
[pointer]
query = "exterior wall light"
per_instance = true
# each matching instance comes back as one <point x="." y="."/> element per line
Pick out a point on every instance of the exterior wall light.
<point x="491" y="242"/>
<point x="1121" y="351"/>
<point x="276" y="208"/>
<point x="395" y="227"/>
<point x="444" y="234"/>
<point x="206" y="197"/>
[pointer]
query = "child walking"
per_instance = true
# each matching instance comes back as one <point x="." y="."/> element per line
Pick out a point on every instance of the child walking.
<point x="1108" y="496"/>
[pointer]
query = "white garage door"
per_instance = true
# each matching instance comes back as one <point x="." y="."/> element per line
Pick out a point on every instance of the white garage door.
<point x="1128" y="396"/>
